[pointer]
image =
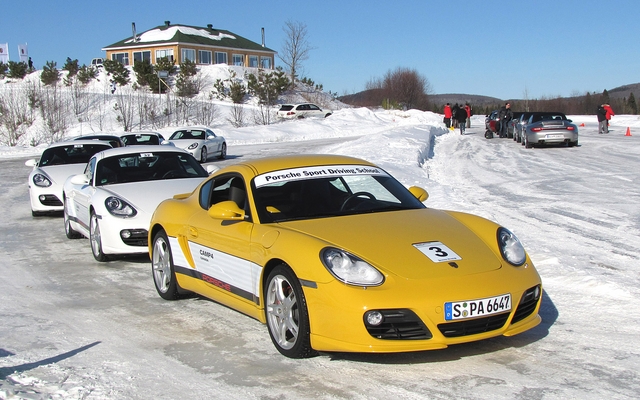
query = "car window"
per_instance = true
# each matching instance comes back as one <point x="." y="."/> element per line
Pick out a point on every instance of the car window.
<point x="224" y="188"/>
<point x="71" y="154"/>
<point x="286" y="107"/>
<point x="210" y="133"/>
<point x="138" y="167"/>
<point x="343" y="190"/>
<point x="313" y="107"/>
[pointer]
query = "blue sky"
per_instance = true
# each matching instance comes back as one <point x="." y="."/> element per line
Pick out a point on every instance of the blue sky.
<point x="495" y="48"/>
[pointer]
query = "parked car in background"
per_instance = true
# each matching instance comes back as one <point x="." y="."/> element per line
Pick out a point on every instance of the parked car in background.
<point x="97" y="62"/>
<point x="511" y="126"/>
<point x="111" y="203"/>
<point x="519" y="125"/>
<point x="113" y="140"/>
<point x="544" y="128"/>
<point x="304" y="110"/>
<point x="57" y="162"/>
<point x="200" y="141"/>
<point x="142" y="138"/>
<point x="334" y="254"/>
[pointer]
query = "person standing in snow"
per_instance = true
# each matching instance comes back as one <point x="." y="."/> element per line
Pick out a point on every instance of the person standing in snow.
<point x="610" y="114"/>
<point x="113" y="87"/>
<point x="504" y="116"/>
<point x="461" y="117"/>
<point x="447" y="115"/>
<point x="467" y="107"/>
<point x="454" y="114"/>
<point x="601" y="112"/>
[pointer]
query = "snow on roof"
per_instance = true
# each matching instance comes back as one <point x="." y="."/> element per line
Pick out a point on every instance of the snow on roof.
<point x="156" y="35"/>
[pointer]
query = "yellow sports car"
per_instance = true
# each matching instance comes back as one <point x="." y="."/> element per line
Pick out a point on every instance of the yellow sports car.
<point x="334" y="254"/>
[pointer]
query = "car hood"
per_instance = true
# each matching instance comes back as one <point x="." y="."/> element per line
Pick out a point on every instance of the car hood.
<point x="60" y="173"/>
<point x="145" y="196"/>
<point x="387" y="240"/>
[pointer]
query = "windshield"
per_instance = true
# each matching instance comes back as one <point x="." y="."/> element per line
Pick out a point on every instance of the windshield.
<point x="137" y="167"/>
<point x="315" y="192"/>
<point x="188" y="134"/>
<point x="71" y="154"/>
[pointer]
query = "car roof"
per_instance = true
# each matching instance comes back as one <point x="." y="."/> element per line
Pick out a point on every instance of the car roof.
<point x="77" y="142"/>
<point x="140" y="133"/>
<point x="138" y="149"/>
<point x="268" y="164"/>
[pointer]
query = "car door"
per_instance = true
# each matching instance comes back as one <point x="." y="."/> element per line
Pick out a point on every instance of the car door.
<point x="214" y="142"/>
<point x="82" y="193"/>
<point x="219" y="248"/>
<point x="314" y="111"/>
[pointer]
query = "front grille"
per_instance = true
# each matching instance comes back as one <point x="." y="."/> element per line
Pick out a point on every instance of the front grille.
<point x="137" y="238"/>
<point x="474" y="326"/>
<point x="400" y="324"/>
<point x="527" y="304"/>
<point x="49" y="200"/>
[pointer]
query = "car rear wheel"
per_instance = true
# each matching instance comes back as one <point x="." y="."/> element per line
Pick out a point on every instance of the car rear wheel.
<point x="223" y="152"/>
<point x="96" y="239"/>
<point x="286" y="313"/>
<point x="527" y="144"/>
<point x="68" y="230"/>
<point x="162" y="268"/>
<point x="203" y="154"/>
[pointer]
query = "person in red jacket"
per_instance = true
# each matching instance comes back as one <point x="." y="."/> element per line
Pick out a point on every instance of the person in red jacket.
<point x="610" y="114"/>
<point x="447" y="115"/>
<point x="467" y="107"/>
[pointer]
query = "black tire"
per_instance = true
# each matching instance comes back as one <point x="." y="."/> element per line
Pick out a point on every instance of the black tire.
<point x="527" y="144"/>
<point x="203" y="154"/>
<point x="68" y="230"/>
<point x="95" y="239"/>
<point x="162" y="269"/>
<point x="572" y="144"/>
<point x="327" y="115"/>
<point x="488" y="134"/>
<point x="285" y="306"/>
<point x="223" y="152"/>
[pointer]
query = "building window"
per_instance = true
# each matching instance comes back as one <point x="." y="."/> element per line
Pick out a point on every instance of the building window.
<point x="122" y="58"/>
<point x="253" y="61"/>
<point x="265" y="62"/>
<point x="141" y="56"/>
<point x="204" y="56"/>
<point x="238" y="59"/>
<point x="221" y="58"/>
<point x="188" y="54"/>
<point x="168" y="53"/>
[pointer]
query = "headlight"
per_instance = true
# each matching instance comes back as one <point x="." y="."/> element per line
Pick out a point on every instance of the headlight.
<point x="193" y="146"/>
<point x="119" y="208"/>
<point x="510" y="247"/>
<point x="349" y="268"/>
<point x="41" y="180"/>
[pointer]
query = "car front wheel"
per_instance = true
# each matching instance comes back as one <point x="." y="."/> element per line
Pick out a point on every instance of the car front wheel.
<point x="203" y="155"/>
<point x="96" y="239"/>
<point x="162" y="268"/>
<point x="286" y="313"/>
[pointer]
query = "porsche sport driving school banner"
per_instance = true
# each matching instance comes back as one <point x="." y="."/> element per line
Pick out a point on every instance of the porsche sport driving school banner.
<point x="4" y="52"/>
<point x="295" y="174"/>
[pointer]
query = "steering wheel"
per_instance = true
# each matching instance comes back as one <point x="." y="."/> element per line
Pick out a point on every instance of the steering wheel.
<point x="355" y="196"/>
<point x="172" y="174"/>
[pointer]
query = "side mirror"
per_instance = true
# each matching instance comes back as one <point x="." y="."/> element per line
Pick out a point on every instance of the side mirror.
<point x="226" y="211"/>
<point x="80" y="179"/>
<point x="419" y="193"/>
<point x="211" y="169"/>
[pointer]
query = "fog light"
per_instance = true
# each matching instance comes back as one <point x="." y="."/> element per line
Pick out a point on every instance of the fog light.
<point x="373" y="318"/>
<point x="126" y="234"/>
<point x="42" y="197"/>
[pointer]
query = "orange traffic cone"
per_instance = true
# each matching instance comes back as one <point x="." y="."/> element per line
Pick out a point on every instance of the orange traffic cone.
<point x="628" y="132"/>
<point x="582" y="124"/>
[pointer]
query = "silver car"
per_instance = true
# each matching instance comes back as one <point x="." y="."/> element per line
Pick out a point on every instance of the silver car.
<point x="544" y="128"/>
<point x="200" y="142"/>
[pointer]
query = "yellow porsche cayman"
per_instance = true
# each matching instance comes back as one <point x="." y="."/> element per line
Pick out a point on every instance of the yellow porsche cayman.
<point x="334" y="254"/>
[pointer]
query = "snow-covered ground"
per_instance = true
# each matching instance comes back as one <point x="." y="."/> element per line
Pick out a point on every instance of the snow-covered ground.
<point x="577" y="211"/>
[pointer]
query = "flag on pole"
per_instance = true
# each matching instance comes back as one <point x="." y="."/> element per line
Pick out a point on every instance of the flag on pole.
<point x="23" y="51"/>
<point x="4" y="52"/>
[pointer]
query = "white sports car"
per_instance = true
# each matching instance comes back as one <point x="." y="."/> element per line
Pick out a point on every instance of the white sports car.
<point x="200" y="142"/>
<point x="111" y="203"/>
<point x="57" y="162"/>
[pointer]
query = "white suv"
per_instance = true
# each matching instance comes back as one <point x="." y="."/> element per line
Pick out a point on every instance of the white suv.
<point x="303" y="110"/>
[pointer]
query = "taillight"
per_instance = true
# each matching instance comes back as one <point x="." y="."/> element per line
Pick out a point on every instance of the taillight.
<point x="536" y="129"/>
<point x="290" y="113"/>
<point x="570" y="128"/>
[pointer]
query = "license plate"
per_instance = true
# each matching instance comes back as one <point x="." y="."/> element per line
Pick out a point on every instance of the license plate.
<point x="555" y="136"/>
<point x="477" y="308"/>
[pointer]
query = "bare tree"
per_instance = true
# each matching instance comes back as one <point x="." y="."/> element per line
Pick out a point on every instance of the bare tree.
<point x="14" y="116"/>
<point x="295" y="49"/>
<point x="125" y="108"/>
<point x="55" y="109"/>
<point x="237" y="117"/>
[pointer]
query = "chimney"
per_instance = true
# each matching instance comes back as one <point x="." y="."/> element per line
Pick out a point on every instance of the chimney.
<point x="262" y="37"/>
<point x="133" y="29"/>
<point x="167" y="23"/>
<point x="210" y="27"/>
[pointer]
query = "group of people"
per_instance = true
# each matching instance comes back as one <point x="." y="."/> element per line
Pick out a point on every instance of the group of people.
<point x="604" y="112"/>
<point x="458" y="116"/>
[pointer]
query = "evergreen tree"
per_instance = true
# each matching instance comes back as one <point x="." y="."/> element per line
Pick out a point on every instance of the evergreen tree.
<point x="145" y="75"/>
<point x="71" y="66"/>
<point x="267" y="87"/>
<point x="186" y="84"/>
<point x="118" y="72"/>
<point x="4" y="68"/>
<point x="86" y="74"/>
<point x="17" y="69"/>
<point x="50" y="74"/>
<point x="631" y="104"/>
<point x="605" y="97"/>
